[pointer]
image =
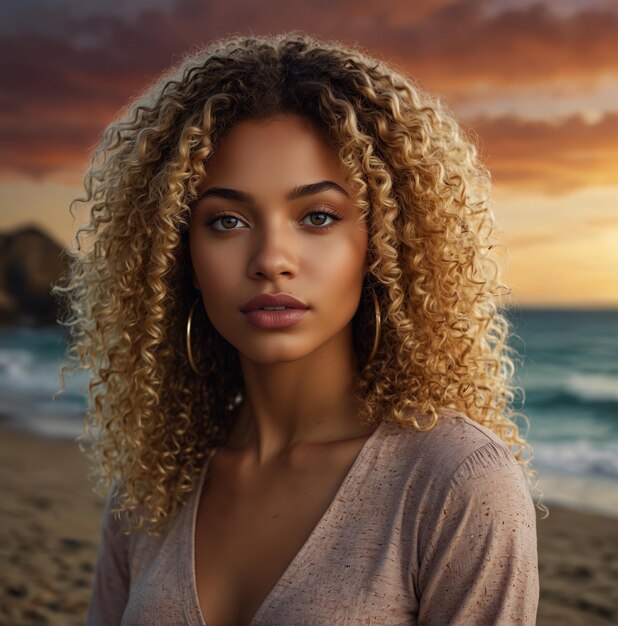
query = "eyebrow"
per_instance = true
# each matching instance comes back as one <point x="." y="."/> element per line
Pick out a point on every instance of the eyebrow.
<point x="297" y="192"/>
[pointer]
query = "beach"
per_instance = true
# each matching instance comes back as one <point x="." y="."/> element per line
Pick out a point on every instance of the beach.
<point x="51" y="522"/>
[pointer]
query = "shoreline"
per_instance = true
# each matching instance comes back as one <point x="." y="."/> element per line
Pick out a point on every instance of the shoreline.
<point x="49" y="539"/>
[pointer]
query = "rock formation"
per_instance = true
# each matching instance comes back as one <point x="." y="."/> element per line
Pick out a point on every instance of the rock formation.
<point x="30" y="262"/>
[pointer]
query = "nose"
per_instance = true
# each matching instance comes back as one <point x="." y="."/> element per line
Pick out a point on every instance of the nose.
<point x="275" y="252"/>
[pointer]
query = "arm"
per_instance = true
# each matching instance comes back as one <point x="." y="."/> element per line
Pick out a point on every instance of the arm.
<point x="479" y="560"/>
<point x="110" y="589"/>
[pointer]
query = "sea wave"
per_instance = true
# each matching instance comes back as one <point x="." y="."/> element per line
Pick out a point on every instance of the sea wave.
<point x="578" y="458"/>
<point x="25" y="371"/>
<point x="593" y="387"/>
<point x="596" y="391"/>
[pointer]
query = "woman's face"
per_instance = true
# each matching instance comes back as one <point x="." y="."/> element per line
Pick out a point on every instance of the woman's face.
<point x="261" y="224"/>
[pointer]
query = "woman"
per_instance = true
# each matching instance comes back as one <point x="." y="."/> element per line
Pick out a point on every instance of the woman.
<point x="302" y="388"/>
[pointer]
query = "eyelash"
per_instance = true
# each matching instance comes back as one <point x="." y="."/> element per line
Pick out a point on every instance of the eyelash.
<point x="333" y="214"/>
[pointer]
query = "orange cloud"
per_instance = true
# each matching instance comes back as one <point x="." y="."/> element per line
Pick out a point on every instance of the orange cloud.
<point x="460" y="49"/>
<point x="547" y="157"/>
<point x="66" y="84"/>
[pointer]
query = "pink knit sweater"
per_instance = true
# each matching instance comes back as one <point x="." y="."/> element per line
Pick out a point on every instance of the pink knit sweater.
<point x="433" y="527"/>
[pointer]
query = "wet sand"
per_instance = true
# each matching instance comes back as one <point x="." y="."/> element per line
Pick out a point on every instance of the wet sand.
<point x="51" y="520"/>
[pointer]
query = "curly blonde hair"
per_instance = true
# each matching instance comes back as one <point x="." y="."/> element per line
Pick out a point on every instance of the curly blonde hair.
<point x="419" y="184"/>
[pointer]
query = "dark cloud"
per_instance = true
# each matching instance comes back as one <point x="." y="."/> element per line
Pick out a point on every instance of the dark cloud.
<point x="524" y="47"/>
<point x="65" y="84"/>
<point x="549" y="157"/>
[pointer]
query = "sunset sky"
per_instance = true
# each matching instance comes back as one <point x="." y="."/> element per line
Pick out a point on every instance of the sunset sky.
<point x="536" y="83"/>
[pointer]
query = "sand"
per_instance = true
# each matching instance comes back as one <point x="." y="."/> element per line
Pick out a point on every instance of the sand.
<point x="51" y="520"/>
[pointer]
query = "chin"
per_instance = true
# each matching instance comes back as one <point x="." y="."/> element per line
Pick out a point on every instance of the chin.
<point x="274" y="355"/>
<point x="272" y="350"/>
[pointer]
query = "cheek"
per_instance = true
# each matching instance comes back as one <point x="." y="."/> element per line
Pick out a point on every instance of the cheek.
<point x="213" y="271"/>
<point x="343" y="267"/>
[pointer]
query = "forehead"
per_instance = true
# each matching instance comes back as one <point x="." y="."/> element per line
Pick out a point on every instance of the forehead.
<point x="282" y="151"/>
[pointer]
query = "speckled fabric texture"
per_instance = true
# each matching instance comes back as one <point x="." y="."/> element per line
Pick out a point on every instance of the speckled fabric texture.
<point x="433" y="527"/>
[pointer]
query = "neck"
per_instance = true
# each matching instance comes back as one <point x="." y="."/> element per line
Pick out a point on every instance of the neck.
<point x="308" y="400"/>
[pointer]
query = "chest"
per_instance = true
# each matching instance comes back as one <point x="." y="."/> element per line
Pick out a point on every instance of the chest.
<point x="247" y="558"/>
<point x="246" y="537"/>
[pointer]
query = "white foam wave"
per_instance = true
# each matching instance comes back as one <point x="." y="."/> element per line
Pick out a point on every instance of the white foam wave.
<point x="593" y="387"/>
<point x="578" y="458"/>
<point x="22" y="371"/>
<point x="594" y="494"/>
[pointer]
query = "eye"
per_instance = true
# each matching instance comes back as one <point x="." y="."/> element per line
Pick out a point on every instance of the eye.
<point x="321" y="216"/>
<point x="228" y="221"/>
<point x="318" y="219"/>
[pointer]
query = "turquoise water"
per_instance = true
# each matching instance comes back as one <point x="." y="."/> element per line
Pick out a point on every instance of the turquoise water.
<point x="569" y="372"/>
<point x="30" y="361"/>
<point x="570" y="377"/>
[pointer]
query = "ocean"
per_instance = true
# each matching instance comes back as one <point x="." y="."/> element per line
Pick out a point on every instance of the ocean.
<point x="568" y="371"/>
<point x="569" y="374"/>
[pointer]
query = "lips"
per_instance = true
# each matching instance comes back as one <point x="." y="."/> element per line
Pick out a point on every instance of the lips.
<point x="273" y="299"/>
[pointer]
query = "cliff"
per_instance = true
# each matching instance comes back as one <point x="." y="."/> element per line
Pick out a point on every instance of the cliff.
<point x="30" y="262"/>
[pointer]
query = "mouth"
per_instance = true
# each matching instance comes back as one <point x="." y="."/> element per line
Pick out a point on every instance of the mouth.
<point x="275" y="308"/>
<point x="274" y="317"/>
<point x="273" y="302"/>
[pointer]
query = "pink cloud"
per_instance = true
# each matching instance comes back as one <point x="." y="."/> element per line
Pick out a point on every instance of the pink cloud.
<point x="65" y="88"/>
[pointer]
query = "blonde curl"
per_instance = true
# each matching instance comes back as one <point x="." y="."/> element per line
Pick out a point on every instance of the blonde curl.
<point x="422" y="190"/>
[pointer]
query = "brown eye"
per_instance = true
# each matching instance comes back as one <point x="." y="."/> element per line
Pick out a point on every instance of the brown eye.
<point x="228" y="222"/>
<point x="318" y="219"/>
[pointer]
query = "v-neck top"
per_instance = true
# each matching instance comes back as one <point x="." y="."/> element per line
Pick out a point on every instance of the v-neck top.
<point x="427" y="527"/>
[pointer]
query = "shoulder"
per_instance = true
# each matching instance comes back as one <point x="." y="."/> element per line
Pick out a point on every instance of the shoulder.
<point x="457" y="465"/>
<point x="115" y="523"/>
<point x="456" y="446"/>
<point x="460" y="480"/>
<point x="468" y="523"/>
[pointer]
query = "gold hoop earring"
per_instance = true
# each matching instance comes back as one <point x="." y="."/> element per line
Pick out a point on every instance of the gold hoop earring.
<point x="378" y="324"/>
<point x="189" y="350"/>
